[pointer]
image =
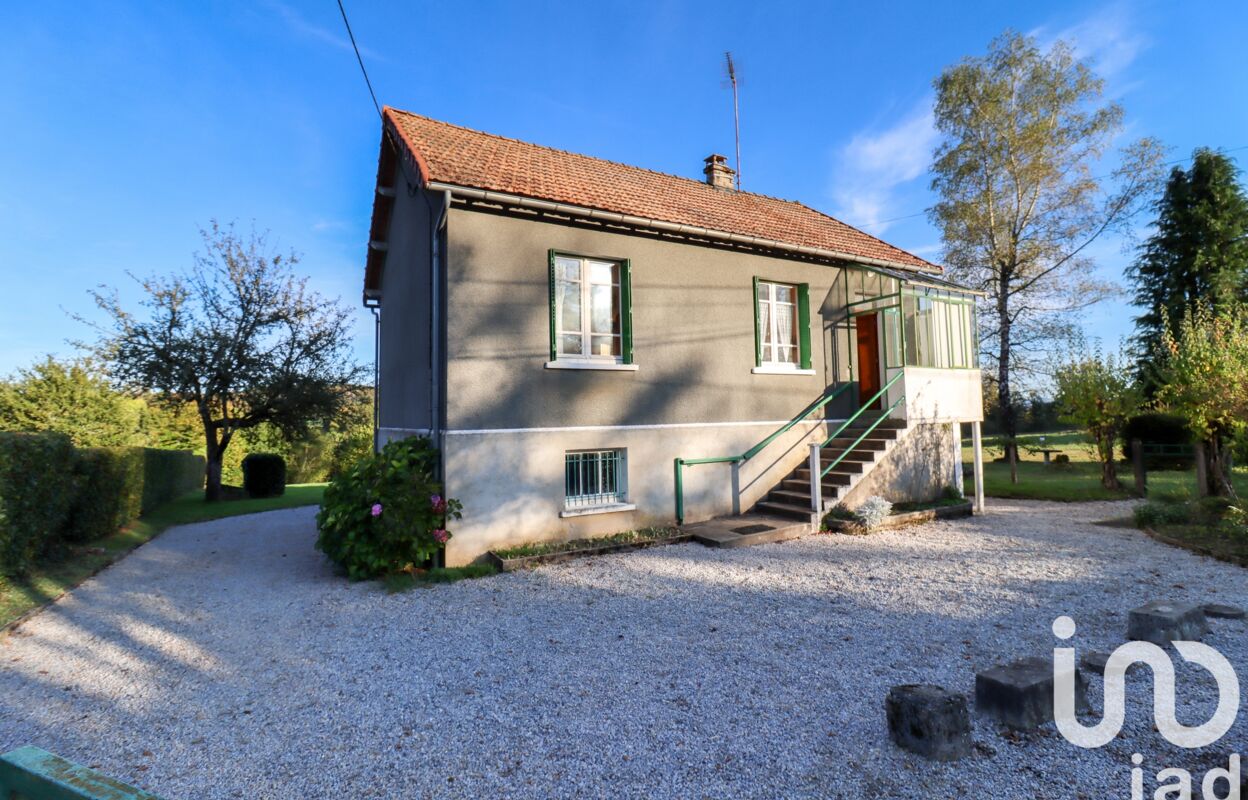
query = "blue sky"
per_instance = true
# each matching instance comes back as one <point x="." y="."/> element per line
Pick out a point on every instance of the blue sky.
<point x="128" y="125"/>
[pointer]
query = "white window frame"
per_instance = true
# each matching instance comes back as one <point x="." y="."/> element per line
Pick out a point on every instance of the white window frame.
<point x="586" y="358"/>
<point x="617" y="501"/>
<point x="768" y="352"/>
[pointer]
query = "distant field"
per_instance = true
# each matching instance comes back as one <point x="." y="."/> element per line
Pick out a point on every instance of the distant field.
<point x="1079" y="480"/>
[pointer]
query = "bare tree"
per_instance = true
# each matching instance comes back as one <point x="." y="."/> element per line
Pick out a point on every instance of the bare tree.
<point x="240" y="336"/>
<point x="1019" y="206"/>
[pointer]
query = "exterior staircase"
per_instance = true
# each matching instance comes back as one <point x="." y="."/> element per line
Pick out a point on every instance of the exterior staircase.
<point x="791" y="498"/>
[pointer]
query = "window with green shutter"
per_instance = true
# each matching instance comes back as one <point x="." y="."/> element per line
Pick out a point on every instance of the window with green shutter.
<point x="591" y="314"/>
<point x="781" y="325"/>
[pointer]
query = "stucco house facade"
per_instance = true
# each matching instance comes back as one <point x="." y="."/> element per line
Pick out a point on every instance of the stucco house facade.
<point x="596" y="347"/>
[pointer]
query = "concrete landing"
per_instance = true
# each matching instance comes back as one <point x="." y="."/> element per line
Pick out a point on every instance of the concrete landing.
<point x="745" y="530"/>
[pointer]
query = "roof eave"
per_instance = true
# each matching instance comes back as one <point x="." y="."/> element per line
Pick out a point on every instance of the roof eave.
<point x="568" y="209"/>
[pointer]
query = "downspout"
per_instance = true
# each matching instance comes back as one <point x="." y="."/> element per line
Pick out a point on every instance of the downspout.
<point x="376" y="309"/>
<point x="435" y="327"/>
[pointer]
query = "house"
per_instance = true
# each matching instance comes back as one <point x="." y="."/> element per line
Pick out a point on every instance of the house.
<point x="598" y="347"/>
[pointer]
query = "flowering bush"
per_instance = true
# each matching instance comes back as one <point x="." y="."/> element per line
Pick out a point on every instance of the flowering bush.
<point x="873" y="511"/>
<point x="386" y="513"/>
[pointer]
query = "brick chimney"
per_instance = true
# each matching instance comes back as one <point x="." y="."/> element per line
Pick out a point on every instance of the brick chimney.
<point x="717" y="171"/>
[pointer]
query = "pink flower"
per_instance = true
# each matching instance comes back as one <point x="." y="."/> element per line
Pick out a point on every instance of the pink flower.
<point x="438" y="504"/>
<point x="440" y="535"/>
<point x="376" y="509"/>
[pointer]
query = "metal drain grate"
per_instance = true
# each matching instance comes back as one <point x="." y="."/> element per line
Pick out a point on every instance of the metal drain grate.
<point x="753" y="529"/>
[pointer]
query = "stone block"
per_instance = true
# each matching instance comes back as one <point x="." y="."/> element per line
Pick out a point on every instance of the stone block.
<point x="930" y="721"/>
<point x="1020" y="694"/>
<point x="1160" y="622"/>
<point x="1095" y="661"/>
<point x="1223" y="611"/>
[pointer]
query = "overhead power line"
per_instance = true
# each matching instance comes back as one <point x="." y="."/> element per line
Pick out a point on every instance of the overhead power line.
<point x="367" y="82"/>
<point x="359" y="58"/>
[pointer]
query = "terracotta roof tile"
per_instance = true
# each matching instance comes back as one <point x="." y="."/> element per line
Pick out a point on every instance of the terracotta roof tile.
<point x="460" y="156"/>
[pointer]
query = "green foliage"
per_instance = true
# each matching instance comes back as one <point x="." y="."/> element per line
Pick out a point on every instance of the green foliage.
<point x="1095" y="393"/>
<point x="109" y="492"/>
<point x="1203" y="371"/>
<point x="168" y="474"/>
<point x="51" y="493"/>
<point x="71" y="398"/>
<point x="1018" y="204"/>
<point x="1199" y="252"/>
<point x="264" y="475"/>
<point x="37" y="487"/>
<point x="386" y="513"/>
<point x="839" y="513"/>
<point x="547" y="548"/>
<point x="1157" y="512"/>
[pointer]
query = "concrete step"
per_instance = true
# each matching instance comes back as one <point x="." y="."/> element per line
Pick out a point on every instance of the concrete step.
<point x="833" y="478"/>
<point x="790" y="510"/>
<point x="840" y="443"/>
<point x="828" y="455"/>
<point x="746" y="530"/>
<point x="796" y="497"/>
<point x="798" y="485"/>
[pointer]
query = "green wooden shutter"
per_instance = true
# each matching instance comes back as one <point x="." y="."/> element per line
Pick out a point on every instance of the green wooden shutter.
<point x="550" y="263"/>
<point x="758" y="339"/>
<point x="803" y="323"/>
<point x="626" y="311"/>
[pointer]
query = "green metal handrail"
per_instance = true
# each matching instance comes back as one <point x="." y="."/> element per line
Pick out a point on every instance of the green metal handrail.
<point x="850" y="449"/>
<point x="680" y="463"/>
<point x="864" y="408"/>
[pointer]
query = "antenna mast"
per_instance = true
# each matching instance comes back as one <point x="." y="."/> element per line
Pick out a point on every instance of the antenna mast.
<point x="736" y="111"/>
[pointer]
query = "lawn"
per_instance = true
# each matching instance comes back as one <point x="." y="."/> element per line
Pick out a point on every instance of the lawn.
<point x="63" y="571"/>
<point x="1079" y="481"/>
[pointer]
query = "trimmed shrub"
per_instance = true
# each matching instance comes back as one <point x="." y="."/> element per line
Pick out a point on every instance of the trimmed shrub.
<point x="50" y="492"/>
<point x="873" y="511"/>
<point x="109" y="491"/>
<point x="264" y="475"/>
<point x="1162" y="513"/>
<point x="386" y="513"/>
<point x="169" y="474"/>
<point x="1157" y="428"/>
<point x="37" y="485"/>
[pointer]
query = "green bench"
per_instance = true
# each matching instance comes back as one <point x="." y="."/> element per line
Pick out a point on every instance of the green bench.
<point x="29" y="773"/>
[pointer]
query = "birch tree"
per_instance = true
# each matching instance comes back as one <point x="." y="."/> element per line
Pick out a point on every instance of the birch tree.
<point x="1024" y="133"/>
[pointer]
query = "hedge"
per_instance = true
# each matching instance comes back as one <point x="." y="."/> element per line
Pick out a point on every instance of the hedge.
<point x="37" y="486"/>
<point x="264" y="475"/>
<point x="51" y="493"/>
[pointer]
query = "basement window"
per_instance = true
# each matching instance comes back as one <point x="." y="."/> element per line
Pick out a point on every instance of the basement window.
<point x="595" y="480"/>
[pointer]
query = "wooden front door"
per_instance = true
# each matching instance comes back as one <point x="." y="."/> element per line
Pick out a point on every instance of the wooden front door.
<point x="868" y="358"/>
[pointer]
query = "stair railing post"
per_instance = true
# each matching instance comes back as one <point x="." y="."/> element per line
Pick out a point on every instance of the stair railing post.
<point x="816" y="477"/>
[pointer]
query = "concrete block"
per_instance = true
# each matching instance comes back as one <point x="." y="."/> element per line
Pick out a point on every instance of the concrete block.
<point x="1160" y="622"/>
<point x="1020" y="694"/>
<point x="930" y="721"/>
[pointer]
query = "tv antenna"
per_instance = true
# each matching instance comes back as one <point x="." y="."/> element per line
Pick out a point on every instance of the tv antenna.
<point x="736" y="110"/>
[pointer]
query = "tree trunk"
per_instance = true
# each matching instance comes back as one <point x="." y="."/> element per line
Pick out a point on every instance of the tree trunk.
<point x="1005" y="401"/>
<point x="212" y="474"/>
<point x="1109" y="469"/>
<point x="1109" y="473"/>
<point x="1217" y="472"/>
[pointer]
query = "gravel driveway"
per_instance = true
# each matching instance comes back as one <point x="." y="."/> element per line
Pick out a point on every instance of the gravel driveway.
<point x="224" y="659"/>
